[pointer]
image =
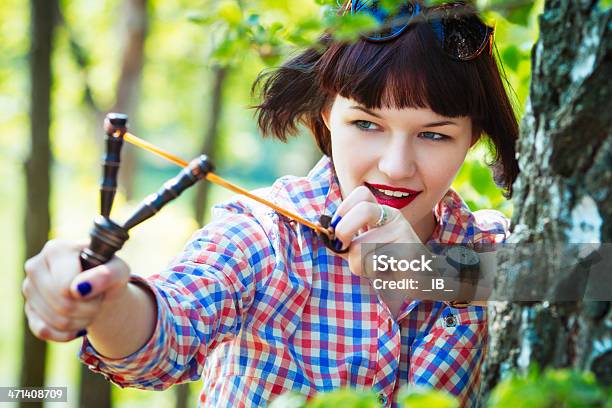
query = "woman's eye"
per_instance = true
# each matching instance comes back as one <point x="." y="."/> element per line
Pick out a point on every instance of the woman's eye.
<point x="364" y="124"/>
<point x="433" y="136"/>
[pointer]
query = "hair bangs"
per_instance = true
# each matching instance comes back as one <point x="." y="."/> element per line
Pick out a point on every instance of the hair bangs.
<point x="411" y="71"/>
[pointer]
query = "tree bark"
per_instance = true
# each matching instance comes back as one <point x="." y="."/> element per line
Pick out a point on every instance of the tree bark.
<point x="562" y="195"/>
<point x="37" y="221"/>
<point x="211" y="138"/>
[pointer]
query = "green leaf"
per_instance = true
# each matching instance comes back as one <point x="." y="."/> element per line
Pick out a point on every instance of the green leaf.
<point x="230" y="11"/>
<point x="553" y="388"/>
<point x="345" y="398"/>
<point x="512" y="57"/>
<point x="516" y="12"/>
<point x="200" y="17"/>
<point x="418" y="396"/>
<point x="290" y="399"/>
<point x="275" y="27"/>
<point x="481" y="179"/>
<point x="326" y="3"/>
<point x="252" y="19"/>
<point x="230" y="49"/>
<point x="520" y="15"/>
<point x="348" y="27"/>
<point x="605" y="4"/>
<point x="431" y="3"/>
<point x="391" y="5"/>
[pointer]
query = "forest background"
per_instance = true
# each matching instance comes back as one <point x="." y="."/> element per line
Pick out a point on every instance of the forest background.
<point x="190" y="91"/>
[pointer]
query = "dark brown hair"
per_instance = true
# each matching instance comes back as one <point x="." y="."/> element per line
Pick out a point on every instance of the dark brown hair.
<point x="409" y="72"/>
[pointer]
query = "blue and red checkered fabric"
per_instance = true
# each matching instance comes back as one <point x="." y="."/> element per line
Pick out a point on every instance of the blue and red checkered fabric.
<point x="256" y="306"/>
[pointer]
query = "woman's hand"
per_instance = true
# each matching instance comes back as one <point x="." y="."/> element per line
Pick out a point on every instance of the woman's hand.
<point x="60" y="301"/>
<point x="355" y="223"/>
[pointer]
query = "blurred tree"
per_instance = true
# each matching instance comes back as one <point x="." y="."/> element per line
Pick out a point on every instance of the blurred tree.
<point x="38" y="169"/>
<point x="242" y="34"/>
<point x="95" y="390"/>
<point x="136" y="22"/>
<point x="562" y="196"/>
<point x="210" y="145"/>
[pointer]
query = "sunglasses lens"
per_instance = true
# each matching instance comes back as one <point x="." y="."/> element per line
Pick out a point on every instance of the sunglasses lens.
<point x="391" y="22"/>
<point x="460" y="32"/>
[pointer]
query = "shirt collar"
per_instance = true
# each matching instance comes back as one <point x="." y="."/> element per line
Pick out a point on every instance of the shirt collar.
<point x="454" y="220"/>
<point x="312" y="196"/>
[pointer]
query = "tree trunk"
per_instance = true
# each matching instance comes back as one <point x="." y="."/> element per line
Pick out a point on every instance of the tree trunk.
<point x="562" y="195"/>
<point x="182" y="395"/>
<point x="210" y="145"/>
<point x="94" y="389"/>
<point x="37" y="168"/>
<point x="128" y="86"/>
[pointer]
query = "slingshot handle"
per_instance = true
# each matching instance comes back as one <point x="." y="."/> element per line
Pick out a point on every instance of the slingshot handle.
<point x="115" y="126"/>
<point x="196" y="170"/>
<point x="106" y="239"/>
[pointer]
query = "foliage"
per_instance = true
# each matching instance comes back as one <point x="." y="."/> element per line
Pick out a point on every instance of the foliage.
<point x="561" y="388"/>
<point x="261" y="25"/>
<point x="409" y="396"/>
<point x="418" y="396"/>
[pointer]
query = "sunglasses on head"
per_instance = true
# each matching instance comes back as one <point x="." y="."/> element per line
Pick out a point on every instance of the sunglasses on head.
<point x="456" y="25"/>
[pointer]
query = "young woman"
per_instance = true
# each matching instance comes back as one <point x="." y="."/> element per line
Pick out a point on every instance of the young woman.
<point x="257" y="305"/>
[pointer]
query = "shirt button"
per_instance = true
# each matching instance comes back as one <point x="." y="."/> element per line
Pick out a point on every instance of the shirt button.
<point x="450" y="321"/>
<point x="382" y="399"/>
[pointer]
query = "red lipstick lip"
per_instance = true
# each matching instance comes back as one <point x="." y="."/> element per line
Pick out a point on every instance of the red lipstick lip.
<point x="395" y="202"/>
<point x="400" y="189"/>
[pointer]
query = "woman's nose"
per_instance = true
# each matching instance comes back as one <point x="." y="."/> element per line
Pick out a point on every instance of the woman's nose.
<point x="398" y="161"/>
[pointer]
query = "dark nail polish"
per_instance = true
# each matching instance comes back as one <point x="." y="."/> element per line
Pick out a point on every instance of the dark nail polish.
<point x="84" y="288"/>
<point x="81" y="333"/>
<point x="338" y="244"/>
<point x="335" y="221"/>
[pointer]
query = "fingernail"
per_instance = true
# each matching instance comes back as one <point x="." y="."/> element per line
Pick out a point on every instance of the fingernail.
<point x="335" y="220"/>
<point x="84" y="288"/>
<point x="81" y="333"/>
<point x="338" y="245"/>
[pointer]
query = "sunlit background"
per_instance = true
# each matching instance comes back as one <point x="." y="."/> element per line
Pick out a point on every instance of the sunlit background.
<point x="185" y="41"/>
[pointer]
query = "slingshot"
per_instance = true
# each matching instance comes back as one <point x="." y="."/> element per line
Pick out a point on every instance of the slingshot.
<point x="107" y="237"/>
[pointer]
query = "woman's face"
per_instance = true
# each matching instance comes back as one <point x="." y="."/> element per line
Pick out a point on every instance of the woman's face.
<point x="413" y="154"/>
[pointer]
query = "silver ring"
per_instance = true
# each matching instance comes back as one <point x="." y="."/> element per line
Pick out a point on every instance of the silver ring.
<point x="382" y="219"/>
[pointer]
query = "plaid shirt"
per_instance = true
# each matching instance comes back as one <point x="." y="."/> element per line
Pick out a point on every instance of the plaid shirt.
<point x="256" y="306"/>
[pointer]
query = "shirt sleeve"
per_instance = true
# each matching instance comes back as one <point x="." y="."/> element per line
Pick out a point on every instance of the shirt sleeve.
<point x="201" y="300"/>
<point x="493" y="227"/>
